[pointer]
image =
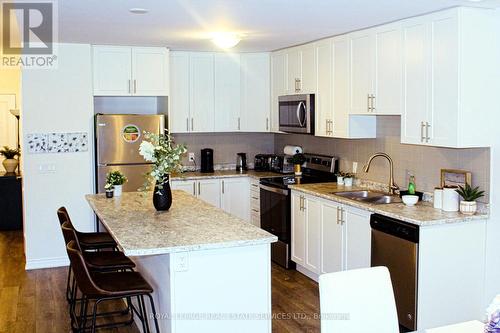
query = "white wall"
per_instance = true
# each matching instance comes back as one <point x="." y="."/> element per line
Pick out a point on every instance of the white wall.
<point x="58" y="100"/>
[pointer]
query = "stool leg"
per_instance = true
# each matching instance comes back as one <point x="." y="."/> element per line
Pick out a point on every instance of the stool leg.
<point x="153" y="311"/>
<point x="68" y="293"/>
<point x="143" y="313"/>
<point x="94" y="315"/>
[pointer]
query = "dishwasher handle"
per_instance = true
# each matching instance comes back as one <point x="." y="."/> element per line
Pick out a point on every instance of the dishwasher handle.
<point x="396" y="228"/>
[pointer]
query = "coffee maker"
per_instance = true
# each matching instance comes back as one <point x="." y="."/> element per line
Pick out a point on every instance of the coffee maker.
<point x="241" y="162"/>
<point x="207" y="160"/>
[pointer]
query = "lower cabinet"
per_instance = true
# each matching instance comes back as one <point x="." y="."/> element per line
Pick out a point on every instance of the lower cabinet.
<point x="328" y="236"/>
<point x="230" y="194"/>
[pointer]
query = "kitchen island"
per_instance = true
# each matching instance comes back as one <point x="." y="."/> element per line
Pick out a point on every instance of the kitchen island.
<point x="211" y="271"/>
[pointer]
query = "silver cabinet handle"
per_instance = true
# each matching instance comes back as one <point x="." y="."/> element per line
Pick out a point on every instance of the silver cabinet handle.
<point x="194" y="189"/>
<point x="338" y="211"/>
<point x="187" y="124"/>
<point x="223" y="187"/>
<point x="135" y="86"/>
<point x="129" y="86"/>
<point x="427" y="137"/>
<point x="192" y="124"/>
<point x="368" y="103"/>
<point x="342" y="215"/>
<point x="373" y="103"/>
<point x="422" y="125"/>
<point x="239" y="123"/>
<point x="199" y="188"/>
<point x="267" y="124"/>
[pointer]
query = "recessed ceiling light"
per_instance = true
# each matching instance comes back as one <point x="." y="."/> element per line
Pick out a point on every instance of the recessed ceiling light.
<point x="138" y="10"/>
<point x="226" y="40"/>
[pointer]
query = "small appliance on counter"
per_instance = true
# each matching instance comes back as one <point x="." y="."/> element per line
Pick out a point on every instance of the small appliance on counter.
<point x="241" y="162"/>
<point x="207" y="160"/>
<point x="262" y="162"/>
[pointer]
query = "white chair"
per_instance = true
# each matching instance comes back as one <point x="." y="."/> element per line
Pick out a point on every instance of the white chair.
<point x="358" y="301"/>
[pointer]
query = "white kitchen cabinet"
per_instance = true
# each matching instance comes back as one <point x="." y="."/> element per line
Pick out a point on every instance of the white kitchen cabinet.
<point x="150" y="71"/>
<point x="298" y="229"/>
<point x="357" y="231"/>
<point x="312" y="207"/>
<point x="130" y="71"/>
<point x="209" y="191"/>
<point x="255" y="92"/>
<point x="227" y="92"/>
<point x="362" y="72"/>
<point x="388" y="85"/>
<point x="188" y="186"/>
<point x="444" y="83"/>
<point x="278" y="85"/>
<point x="112" y="67"/>
<point x="301" y="70"/>
<point x="332" y="238"/>
<point x="179" y="115"/>
<point x="202" y="94"/>
<point x="235" y="193"/>
<point x="293" y="70"/>
<point x="324" y="101"/>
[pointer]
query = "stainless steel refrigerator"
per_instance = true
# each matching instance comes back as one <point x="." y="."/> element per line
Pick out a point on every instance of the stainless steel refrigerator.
<point x="117" y="147"/>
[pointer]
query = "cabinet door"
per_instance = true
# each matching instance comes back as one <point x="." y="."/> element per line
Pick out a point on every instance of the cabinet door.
<point x="236" y="197"/>
<point x="298" y="230"/>
<point x="112" y="66"/>
<point x="324" y="105"/>
<point x="150" y="71"/>
<point x="362" y="71"/>
<point x="389" y="70"/>
<point x="416" y="54"/>
<point x="294" y="70"/>
<point x="332" y="239"/>
<point x="308" y="69"/>
<point x="179" y="117"/>
<point x="255" y="88"/>
<point x="188" y="186"/>
<point x="202" y="92"/>
<point x="357" y="238"/>
<point x="227" y="92"/>
<point x="443" y="118"/>
<point x="313" y="235"/>
<point x="209" y="191"/>
<point x="279" y="85"/>
<point x="341" y="56"/>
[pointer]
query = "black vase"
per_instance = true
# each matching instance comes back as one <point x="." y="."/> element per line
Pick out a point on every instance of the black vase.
<point x="162" y="198"/>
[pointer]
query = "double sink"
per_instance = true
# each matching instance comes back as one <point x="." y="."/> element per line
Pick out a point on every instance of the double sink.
<point x="372" y="197"/>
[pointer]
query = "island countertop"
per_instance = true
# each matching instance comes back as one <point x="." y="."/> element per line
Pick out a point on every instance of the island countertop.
<point x="189" y="225"/>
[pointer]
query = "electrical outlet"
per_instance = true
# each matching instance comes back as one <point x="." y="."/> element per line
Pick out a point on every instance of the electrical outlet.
<point x="354" y="167"/>
<point x="191" y="157"/>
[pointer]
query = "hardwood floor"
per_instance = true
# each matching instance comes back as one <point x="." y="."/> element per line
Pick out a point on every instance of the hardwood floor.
<point x="34" y="301"/>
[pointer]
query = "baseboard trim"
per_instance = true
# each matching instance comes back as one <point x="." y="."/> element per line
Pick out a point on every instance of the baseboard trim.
<point x="308" y="273"/>
<point x="46" y="263"/>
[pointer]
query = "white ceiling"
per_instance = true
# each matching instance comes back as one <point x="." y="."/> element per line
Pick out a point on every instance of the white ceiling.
<point x="267" y="24"/>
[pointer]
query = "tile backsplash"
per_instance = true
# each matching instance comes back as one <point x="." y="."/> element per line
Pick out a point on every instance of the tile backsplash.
<point x="422" y="161"/>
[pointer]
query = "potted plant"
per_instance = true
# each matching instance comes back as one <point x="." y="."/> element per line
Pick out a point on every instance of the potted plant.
<point x="115" y="181"/>
<point x="10" y="163"/>
<point x="468" y="205"/>
<point x="348" y="179"/>
<point x="166" y="158"/>
<point x="298" y="160"/>
<point x="340" y="177"/>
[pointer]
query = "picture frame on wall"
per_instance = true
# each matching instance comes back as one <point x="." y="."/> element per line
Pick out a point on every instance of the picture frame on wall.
<point x="455" y="178"/>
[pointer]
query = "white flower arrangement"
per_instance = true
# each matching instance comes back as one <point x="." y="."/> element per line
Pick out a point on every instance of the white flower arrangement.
<point x="160" y="150"/>
<point x="493" y="316"/>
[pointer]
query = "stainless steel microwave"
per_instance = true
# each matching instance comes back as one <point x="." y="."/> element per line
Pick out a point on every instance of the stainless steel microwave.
<point x="296" y="113"/>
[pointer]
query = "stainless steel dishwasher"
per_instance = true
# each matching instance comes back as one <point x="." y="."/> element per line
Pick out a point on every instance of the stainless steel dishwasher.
<point x="395" y="245"/>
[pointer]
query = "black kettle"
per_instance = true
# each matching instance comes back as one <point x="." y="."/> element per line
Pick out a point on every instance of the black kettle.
<point x="241" y="162"/>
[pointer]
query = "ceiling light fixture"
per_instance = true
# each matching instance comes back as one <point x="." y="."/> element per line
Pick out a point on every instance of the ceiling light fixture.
<point x="138" y="10"/>
<point x="226" y="40"/>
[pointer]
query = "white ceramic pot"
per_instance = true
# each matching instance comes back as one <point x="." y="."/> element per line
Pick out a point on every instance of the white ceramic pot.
<point x="451" y="200"/>
<point x="10" y="164"/>
<point x="348" y="181"/>
<point x="118" y="189"/>
<point x="468" y="207"/>
<point x="340" y="180"/>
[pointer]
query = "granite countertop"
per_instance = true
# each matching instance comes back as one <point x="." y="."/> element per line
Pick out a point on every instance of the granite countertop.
<point x="422" y="214"/>
<point x="189" y="225"/>
<point x="192" y="175"/>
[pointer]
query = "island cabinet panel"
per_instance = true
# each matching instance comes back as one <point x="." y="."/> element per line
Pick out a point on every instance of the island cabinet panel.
<point x="234" y="197"/>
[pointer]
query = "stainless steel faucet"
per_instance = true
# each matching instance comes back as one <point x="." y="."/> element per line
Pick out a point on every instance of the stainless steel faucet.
<point x="392" y="186"/>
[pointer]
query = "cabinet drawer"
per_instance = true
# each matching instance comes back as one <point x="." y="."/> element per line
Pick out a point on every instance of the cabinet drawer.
<point x="254" y="202"/>
<point x="255" y="218"/>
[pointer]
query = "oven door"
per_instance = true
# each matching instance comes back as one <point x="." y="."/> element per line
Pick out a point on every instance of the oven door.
<point x="296" y="114"/>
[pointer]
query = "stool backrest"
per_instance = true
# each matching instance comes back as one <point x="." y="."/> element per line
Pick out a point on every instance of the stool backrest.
<point x="81" y="272"/>
<point x="359" y="300"/>
<point x="70" y="235"/>
<point x="62" y="214"/>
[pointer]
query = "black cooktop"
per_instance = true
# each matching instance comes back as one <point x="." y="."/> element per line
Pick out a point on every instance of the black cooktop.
<point x="283" y="182"/>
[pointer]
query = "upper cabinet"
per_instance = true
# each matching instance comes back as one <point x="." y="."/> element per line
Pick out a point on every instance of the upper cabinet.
<point x="445" y="83"/>
<point x="219" y="92"/>
<point x="362" y="54"/>
<point x="301" y="70"/>
<point x="278" y="85"/>
<point x="324" y="93"/>
<point x="130" y="71"/>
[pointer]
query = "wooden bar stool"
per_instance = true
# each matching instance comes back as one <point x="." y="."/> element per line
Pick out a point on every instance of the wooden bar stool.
<point x="100" y="287"/>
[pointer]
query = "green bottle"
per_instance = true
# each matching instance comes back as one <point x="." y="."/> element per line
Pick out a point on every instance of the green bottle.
<point x="411" y="185"/>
